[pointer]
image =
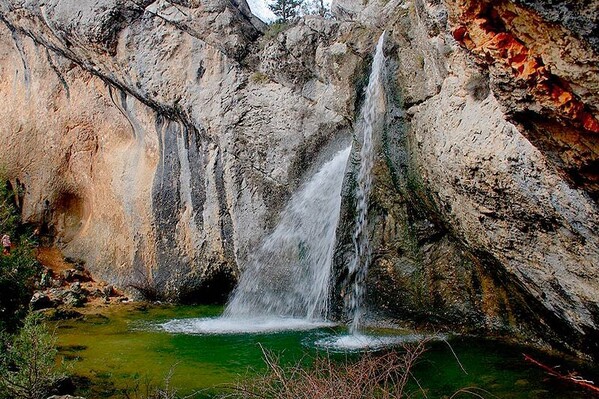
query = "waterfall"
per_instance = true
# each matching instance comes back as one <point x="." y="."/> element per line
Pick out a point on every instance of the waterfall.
<point x="289" y="275"/>
<point x="285" y="284"/>
<point x="370" y="118"/>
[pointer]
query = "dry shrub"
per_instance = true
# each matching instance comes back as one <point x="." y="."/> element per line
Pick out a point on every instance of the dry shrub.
<point x="382" y="376"/>
<point x="144" y="388"/>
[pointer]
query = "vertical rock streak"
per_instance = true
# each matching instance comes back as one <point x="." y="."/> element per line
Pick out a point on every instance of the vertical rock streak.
<point x="369" y="120"/>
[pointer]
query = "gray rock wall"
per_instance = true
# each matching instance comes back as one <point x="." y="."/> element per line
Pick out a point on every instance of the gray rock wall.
<point x="206" y="149"/>
<point x="473" y="226"/>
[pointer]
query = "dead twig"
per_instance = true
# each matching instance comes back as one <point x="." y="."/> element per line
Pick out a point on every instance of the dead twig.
<point x="571" y="377"/>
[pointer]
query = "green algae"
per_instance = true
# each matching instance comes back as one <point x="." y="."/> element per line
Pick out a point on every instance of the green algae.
<point x="123" y="346"/>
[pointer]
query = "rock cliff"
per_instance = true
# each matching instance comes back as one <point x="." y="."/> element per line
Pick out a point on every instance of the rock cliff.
<point x="158" y="140"/>
<point x="485" y="206"/>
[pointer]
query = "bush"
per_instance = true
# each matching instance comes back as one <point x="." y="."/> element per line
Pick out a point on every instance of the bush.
<point x="27" y="363"/>
<point x="17" y="279"/>
<point x="19" y="269"/>
<point x="372" y="376"/>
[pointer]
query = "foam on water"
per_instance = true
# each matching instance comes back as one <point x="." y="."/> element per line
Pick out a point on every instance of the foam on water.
<point x="225" y="325"/>
<point x="361" y="342"/>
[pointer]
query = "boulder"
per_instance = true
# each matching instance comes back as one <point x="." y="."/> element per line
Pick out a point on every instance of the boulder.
<point x="41" y="301"/>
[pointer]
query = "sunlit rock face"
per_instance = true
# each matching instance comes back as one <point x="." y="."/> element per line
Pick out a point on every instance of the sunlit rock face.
<point x="485" y="206"/>
<point x="156" y="143"/>
<point x="159" y="141"/>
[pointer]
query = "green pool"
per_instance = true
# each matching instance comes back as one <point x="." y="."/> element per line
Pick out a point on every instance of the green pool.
<point x="124" y="346"/>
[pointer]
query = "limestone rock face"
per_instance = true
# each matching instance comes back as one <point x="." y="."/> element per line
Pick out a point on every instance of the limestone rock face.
<point x="479" y="217"/>
<point x="149" y="147"/>
<point x="158" y="141"/>
<point x="544" y="74"/>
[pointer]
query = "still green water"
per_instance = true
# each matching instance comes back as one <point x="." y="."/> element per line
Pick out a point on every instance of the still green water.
<point x="122" y="347"/>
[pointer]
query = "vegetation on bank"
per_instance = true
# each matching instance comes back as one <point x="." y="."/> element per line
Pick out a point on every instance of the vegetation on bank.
<point x="19" y="269"/>
<point x="383" y="376"/>
<point x="18" y="272"/>
<point x="27" y="349"/>
<point x="28" y="362"/>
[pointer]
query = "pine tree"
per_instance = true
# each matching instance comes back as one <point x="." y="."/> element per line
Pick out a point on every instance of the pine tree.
<point x="315" y="7"/>
<point x="286" y="10"/>
<point x="28" y="363"/>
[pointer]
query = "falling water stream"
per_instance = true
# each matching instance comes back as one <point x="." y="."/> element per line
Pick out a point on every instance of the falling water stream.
<point x="370" y="118"/>
<point x="290" y="274"/>
<point x="285" y="284"/>
<point x="369" y="122"/>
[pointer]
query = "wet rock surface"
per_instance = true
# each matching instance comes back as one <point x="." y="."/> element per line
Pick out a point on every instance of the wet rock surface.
<point x="475" y="225"/>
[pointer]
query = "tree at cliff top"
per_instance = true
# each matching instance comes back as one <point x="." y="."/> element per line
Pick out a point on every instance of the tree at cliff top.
<point x="286" y="10"/>
<point x="315" y="7"/>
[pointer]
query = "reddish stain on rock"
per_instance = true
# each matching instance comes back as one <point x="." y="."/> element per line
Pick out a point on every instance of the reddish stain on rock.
<point x="482" y="32"/>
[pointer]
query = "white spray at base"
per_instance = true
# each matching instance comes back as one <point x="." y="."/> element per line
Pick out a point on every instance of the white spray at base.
<point x="370" y="118"/>
<point x="286" y="283"/>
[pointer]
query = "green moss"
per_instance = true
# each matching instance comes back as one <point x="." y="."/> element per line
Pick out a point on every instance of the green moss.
<point x="259" y="78"/>
<point x="360" y="83"/>
<point x="420" y="60"/>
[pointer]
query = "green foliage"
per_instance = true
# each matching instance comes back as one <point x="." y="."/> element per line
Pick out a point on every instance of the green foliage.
<point x="9" y="214"/>
<point x="17" y="277"/>
<point x="27" y="366"/>
<point x="286" y="10"/>
<point x="17" y="270"/>
<point x="316" y="7"/>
